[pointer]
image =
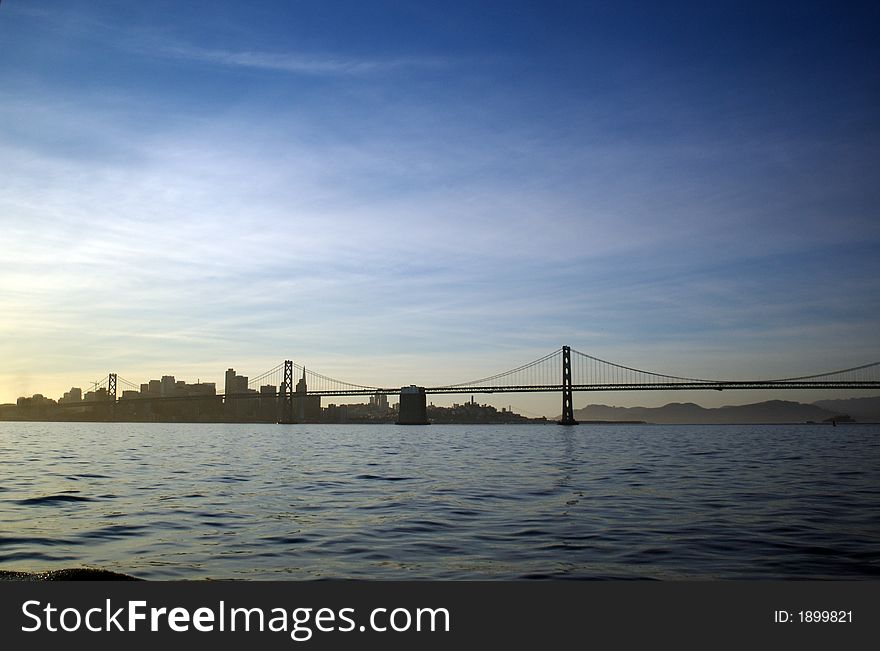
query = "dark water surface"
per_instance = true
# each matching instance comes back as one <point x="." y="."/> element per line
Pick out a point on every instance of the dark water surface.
<point x="167" y="501"/>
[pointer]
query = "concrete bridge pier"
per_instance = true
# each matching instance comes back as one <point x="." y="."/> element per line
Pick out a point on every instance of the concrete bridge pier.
<point x="413" y="406"/>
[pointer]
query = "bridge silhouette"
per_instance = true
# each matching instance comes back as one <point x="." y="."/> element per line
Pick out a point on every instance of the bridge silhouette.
<point x="565" y="371"/>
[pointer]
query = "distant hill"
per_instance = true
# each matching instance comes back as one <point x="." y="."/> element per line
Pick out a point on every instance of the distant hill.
<point x="772" y="411"/>
<point x="864" y="410"/>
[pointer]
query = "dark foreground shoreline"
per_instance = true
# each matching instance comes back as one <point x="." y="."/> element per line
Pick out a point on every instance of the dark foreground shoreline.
<point x="69" y="574"/>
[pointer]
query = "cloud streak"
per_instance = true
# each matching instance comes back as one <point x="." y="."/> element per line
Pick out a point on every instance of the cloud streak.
<point x="149" y="42"/>
<point x="289" y="62"/>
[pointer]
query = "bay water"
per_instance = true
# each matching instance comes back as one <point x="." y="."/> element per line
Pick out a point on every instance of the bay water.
<point x="209" y="501"/>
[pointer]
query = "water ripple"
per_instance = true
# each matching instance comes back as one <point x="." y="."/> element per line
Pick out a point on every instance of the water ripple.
<point x="49" y="500"/>
<point x="380" y="478"/>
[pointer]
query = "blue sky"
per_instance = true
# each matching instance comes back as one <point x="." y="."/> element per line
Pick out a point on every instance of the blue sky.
<point x="398" y="192"/>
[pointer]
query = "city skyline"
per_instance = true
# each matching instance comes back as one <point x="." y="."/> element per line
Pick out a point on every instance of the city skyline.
<point x="262" y="400"/>
<point x="420" y="194"/>
<point x="586" y="370"/>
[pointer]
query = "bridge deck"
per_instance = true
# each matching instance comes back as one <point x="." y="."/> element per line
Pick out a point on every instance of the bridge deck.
<point x="690" y="386"/>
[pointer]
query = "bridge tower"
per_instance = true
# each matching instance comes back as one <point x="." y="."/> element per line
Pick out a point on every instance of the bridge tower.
<point x="567" y="409"/>
<point x="285" y="406"/>
<point x="111" y="394"/>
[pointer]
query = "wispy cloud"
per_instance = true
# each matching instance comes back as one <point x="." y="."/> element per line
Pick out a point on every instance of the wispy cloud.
<point x="149" y="42"/>
<point x="288" y="62"/>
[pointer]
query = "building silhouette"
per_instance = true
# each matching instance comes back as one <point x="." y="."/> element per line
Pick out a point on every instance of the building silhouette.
<point x="306" y="408"/>
<point x="235" y="384"/>
<point x="74" y="395"/>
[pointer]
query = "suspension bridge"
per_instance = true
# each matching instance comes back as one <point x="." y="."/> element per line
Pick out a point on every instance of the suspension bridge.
<point x="564" y="371"/>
